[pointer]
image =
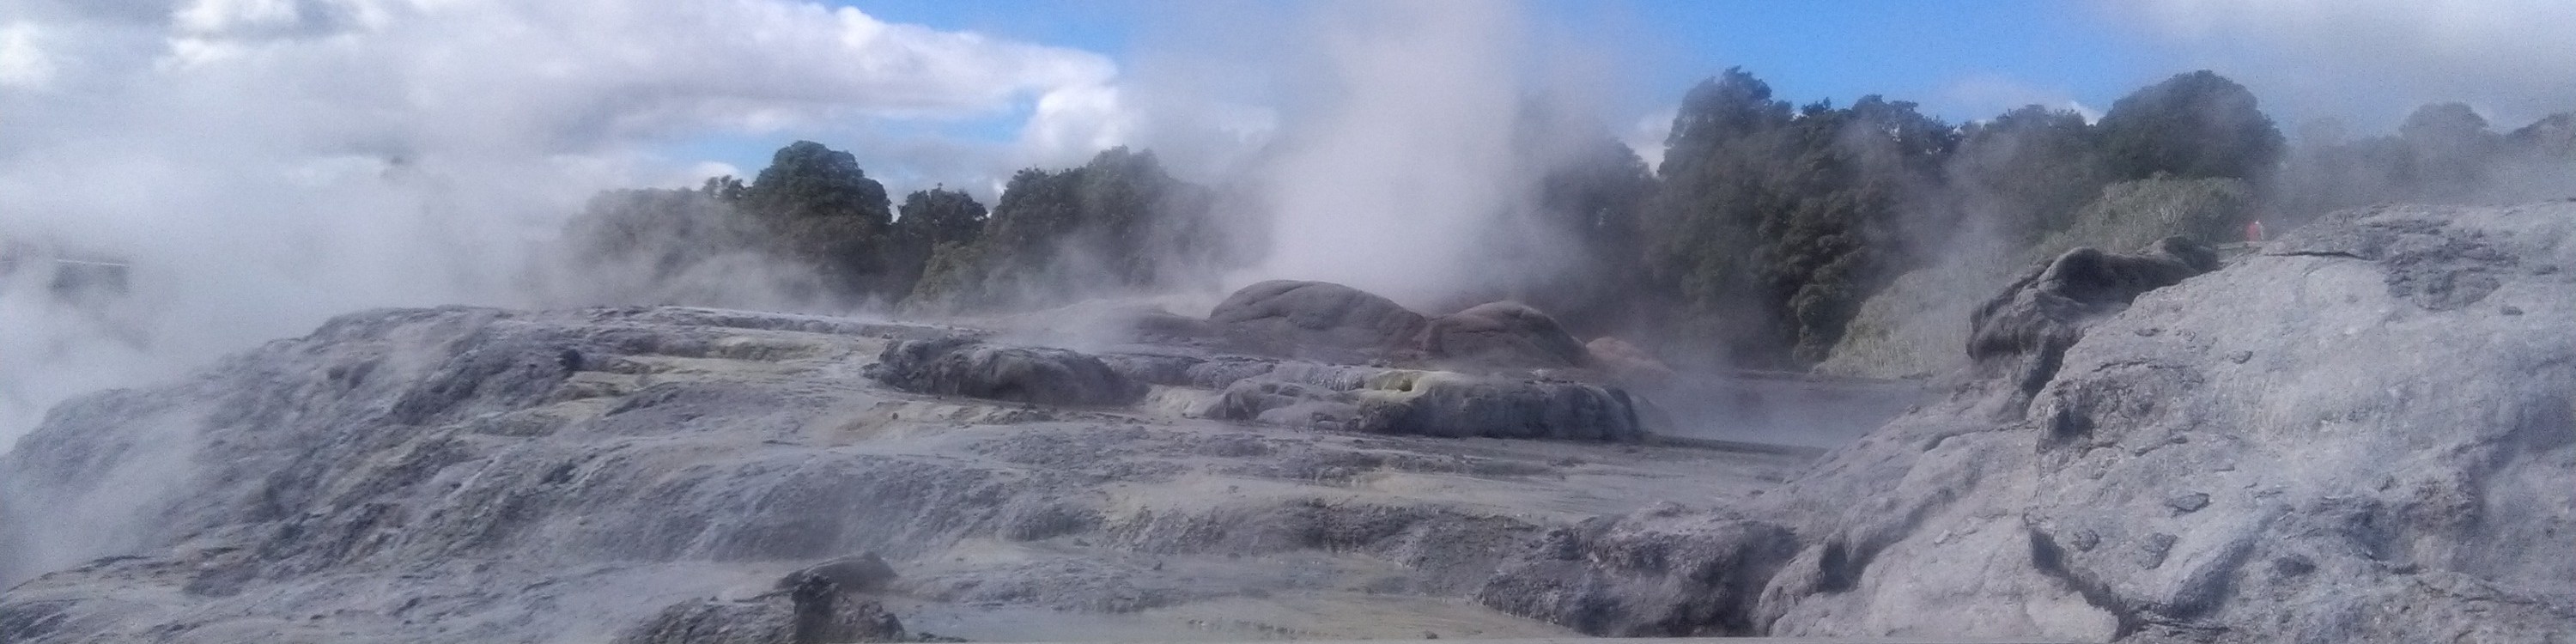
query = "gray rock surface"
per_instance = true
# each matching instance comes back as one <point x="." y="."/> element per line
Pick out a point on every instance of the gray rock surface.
<point x="1660" y="573"/>
<point x="1502" y="334"/>
<point x="1315" y="320"/>
<point x="478" y="475"/>
<point x="2020" y="334"/>
<point x="860" y="573"/>
<point x="2364" y="433"/>
<point x="809" y="609"/>
<point x="1433" y="403"/>
<point x="968" y="367"/>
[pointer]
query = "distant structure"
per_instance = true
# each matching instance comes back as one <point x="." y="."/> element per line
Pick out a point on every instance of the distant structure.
<point x="70" y="277"/>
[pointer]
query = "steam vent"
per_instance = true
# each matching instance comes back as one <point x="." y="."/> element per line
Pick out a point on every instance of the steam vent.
<point x="1287" y="322"/>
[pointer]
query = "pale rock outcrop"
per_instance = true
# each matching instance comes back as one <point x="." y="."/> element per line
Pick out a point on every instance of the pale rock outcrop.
<point x="2364" y="433"/>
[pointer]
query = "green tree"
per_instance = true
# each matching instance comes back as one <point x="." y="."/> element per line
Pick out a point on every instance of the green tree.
<point x="806" y="179"/>
<point x="822" y="211"/>
<point x="2192" y="125"/>
<point x="1771" y="226"/>
<point x="2449" y="149"/>
<point x="930" y="219"/>
<point x="1118" y="222"/>
<point x="2030" y="169"/>
<point x="1593" y="197"/>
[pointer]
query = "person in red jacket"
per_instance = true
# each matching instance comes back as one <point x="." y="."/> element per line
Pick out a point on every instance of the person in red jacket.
<point x="2254" y="231"/>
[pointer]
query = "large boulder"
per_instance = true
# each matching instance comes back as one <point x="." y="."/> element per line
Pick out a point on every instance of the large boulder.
<point x="819" y="605"/>
<point x="2365" y="433"/>
<point x="2020" y="334"/>
<point x="969" y="367"/>
<point x="1506" y="335"/>
<point x="1437" y="403"/>
<point x="1661" y="572"/>
<point x="1315" y="321"/>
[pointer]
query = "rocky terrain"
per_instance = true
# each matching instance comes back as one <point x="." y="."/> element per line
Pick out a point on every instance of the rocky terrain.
<point x="477" y="475"/>
<point x="2365" y="432"/>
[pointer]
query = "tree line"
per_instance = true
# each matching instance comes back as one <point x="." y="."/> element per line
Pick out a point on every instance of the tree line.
<point x="1756" y="240"/>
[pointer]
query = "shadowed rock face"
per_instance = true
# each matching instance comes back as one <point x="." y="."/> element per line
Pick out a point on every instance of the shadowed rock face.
<point x="967" y="367"/>
<point x="1453" y="405"/>
<point x="812" y="611"/>
<point x="2020" y="335"/>
<point x="1315" y="320"/>
<point x="1660" y="573"/>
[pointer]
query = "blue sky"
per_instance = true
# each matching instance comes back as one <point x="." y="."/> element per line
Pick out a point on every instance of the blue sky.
<point x="1907" y="49"/>
<point x="2364" y="62"/>
<point x="1960" y="59"/>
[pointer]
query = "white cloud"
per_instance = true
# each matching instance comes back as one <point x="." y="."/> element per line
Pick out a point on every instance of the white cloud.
<point x="1649" y="135"/>
<point x="2379" y="59"/>
<point x="1072" y="123"/>
<point x="23" y="63"/>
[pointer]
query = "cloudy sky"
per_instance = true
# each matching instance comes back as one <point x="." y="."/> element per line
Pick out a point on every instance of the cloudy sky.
<point x="268" y="163"/>
<point x="949" y="91"/>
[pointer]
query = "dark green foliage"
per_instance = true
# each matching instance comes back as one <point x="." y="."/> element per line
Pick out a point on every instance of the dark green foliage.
<point x="823" y="212"/>
<point x="807" y="180"/>
<point x="662" y="232"/>
<point x="932" y="219"/>
<point x="2193" y="125"/>
<point x="2448" y="149"/>
<point x="812" y="211"/>
<point x="726" y="188"/>
<point x="939" y="215"/>
<point x="1594" y="197"/>
<point x="1762" y="233"/>
<point x="1772" y="226"/>
<point x="2030" y="169"/>
<point x="1116" y="223"/>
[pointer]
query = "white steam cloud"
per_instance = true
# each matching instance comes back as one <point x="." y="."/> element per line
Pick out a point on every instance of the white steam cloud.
<point x="1377" y="189"/>
<point x="2380" y="59"/>
<point x="264" y="164"/>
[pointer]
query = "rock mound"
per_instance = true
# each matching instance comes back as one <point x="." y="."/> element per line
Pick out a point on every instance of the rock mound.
<point x="476" y="475"/>
<point x="2020" y="334"/>
<point x="1431" y="403"/>
<point x="2365" y="433"/>
<point x="968" y="367"/>
<point x="1660" y="573"/>
<point x="810" y="609"/>
<point x="1315" y="321"/>
<point x="1506" y="334"/>
<point x="1915" y="326"/>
